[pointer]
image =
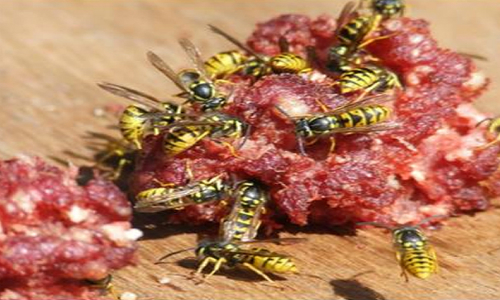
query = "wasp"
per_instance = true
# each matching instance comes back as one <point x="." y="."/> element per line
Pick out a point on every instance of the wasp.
<point x="231" y="254"/>
<point x="185" y="134"/>
<point x="104" y="284"/>
<point x="164" y="198"/>
<point x="136" y="121"/>
<point x="365" y="115"/>
<point x="413" y="251"/>
<point x="225" y="63"/>
<point x="258" y="65"/>
<point x="243" y="221"/>
<point x="388" y="8"/>
<point x="351" y="35"/>
<point x="195" y="84"/>
<point x="368" y="78"/>
<point x="493" y="130"/>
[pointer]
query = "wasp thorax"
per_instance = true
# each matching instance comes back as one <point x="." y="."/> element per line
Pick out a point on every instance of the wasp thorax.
<point x="203" y="90"/>
<point x="408" y="235"/>
<point x="214" y="104"/>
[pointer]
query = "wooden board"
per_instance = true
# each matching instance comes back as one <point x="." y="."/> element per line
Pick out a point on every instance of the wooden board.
<point x="53" y="52"/>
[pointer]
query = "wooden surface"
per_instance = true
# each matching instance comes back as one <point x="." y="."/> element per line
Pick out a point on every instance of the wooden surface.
<point x="53" y="52"/>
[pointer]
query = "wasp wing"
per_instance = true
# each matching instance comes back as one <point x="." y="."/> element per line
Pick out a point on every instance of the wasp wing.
<point x="371" y="100"/>
<point x="284" y="241"/>
<point x="345" y="15"/>
<point x="368" y="128"/>
<point x="261" y="252"/>
<point x="195" y="57"/>
<point x="235" y="41"/>
<point x="181" y="124"/>
<point x="164" y="68"/>
<point x="164" y="201"/>
<point x="229" y="225"/>
<point x="131" y="94"/>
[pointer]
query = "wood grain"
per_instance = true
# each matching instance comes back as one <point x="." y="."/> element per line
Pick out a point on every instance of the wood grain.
<point x="53" y="52"/>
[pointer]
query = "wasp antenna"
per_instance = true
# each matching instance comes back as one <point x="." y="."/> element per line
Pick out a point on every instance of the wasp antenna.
<point x="281" y="110"/>
<point x="300" y="141"/>
<point x="300" y="144"/>
<point x="483" y="121"/>
<point x="160" y="260"/>
<point x="428" y="219"/>
<point x="376" y="224"/>
<point x="245" y="137"/>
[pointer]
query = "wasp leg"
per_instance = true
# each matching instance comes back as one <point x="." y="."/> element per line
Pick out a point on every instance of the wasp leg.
<point x="369" y="41"/>
<point x="223" y="81"/>
<point x="332" y="144"/>
<point x="401" y="264"/>
<point x="312" y="142"/>
<point x="204" y="264"/>
<point x="495" y="141"/>
<point x="189" y="171"/>
<point x="300" y="143"/>
<point x="432" y="253"/>
<point x="218" y="264"/>
<point x="163" y="184"/>
<point x="366" y="91"/>
<point x="230" y="147"/>
<point x="325" y="108"/>
<point x="121" y="165"/>
<point x="259" y="272"/>
<point x="111" y="290"/>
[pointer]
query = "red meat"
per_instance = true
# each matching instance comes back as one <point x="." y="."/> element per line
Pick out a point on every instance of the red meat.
<point x="53" y="232"/>
<point x="428" y="166"/>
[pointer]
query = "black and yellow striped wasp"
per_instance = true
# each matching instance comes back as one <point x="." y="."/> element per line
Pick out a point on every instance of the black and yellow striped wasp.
<point x="388" y="8"/>
<point x="259" y="65"/>
<point x="136" y="121"/>
<point x="363" y="116"/>
<point x="178" y="197"/>
<point x="225" y="63"/>
<point x="352" y="36"/>
<point x="413" y="251"/>
<point x="368" y="78"/>
<point x="493" y="128"/>
<point x="183" y="135"/>
<point x="231" y="254"/>
<point x="196" y="84"/>
<point x="243" y="222"/>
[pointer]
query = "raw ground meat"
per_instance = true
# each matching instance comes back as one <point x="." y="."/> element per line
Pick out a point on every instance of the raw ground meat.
<point x="428" y="166"/>
<point x="54" y="233"/>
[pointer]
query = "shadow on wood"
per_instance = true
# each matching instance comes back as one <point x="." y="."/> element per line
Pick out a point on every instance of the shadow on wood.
<point x="352" y="289"/>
